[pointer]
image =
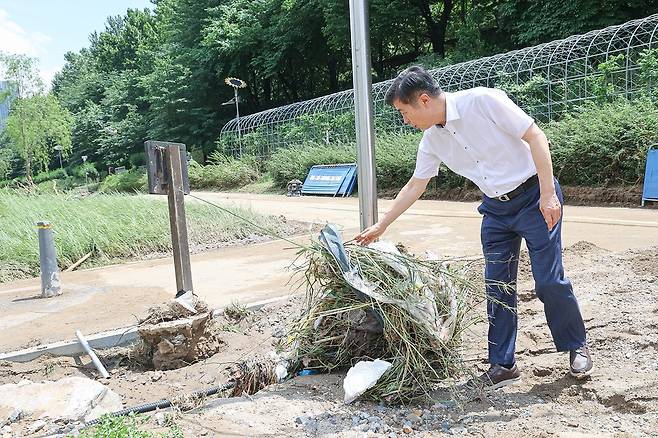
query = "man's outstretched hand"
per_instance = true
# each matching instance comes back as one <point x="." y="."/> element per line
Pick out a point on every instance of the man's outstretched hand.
<point x="370" y="234"/>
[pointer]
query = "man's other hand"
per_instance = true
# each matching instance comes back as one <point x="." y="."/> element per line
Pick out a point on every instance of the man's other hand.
<point x="370" y="234"/>
<point x="551" y="209"/>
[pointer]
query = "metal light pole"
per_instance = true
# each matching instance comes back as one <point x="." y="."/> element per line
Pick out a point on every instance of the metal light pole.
<point x="236" y="83"/>
<point x="58" y="148"/>
<point x="84" y="160"/>
<point x="365" y="133"/>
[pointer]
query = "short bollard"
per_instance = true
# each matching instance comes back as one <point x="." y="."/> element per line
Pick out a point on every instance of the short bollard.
<point x="50" y="284"/>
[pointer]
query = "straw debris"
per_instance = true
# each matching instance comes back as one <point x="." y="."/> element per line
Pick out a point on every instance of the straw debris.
<point x="380" y="302"/>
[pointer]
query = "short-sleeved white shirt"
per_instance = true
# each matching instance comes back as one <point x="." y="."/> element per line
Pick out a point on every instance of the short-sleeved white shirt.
<point x="481" y="140"/>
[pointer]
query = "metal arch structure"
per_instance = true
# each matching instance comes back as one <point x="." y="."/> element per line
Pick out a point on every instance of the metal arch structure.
<point x="560" y="73"/>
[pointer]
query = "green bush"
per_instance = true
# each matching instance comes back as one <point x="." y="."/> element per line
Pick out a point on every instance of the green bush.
<point x="223" y="173"/>
<point x="604" y="143"/>
<point x="395" y="155"/>
<point x="88" y="168"/>
<point x="130" y="181"/>
<point x="50" y="175"/>
<point x="295" y="162"/>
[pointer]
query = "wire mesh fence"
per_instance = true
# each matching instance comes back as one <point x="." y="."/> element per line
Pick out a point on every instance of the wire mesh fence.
<point x="545" y="80"/>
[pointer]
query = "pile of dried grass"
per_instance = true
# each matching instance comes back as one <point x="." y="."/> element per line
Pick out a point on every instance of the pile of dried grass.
<point x="380" y="302"/>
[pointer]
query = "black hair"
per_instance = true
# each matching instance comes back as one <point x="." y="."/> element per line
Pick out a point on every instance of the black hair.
<point x="410" y="83"/>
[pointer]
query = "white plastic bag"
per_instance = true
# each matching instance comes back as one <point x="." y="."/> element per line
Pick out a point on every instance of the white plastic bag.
<point x="363" y="376"/>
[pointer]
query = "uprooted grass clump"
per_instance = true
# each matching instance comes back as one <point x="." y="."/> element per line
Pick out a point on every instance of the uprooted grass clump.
<point x="393" y="306"/>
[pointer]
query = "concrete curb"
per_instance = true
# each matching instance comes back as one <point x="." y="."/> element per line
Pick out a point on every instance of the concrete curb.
<point x="108" y="339"/>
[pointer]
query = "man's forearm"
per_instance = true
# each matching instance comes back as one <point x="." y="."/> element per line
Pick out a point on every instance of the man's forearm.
<point x="407" y="196"/>
<point x="541" y="155"/>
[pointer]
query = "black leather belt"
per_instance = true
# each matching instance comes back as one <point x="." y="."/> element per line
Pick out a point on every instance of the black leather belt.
<point x="519" y="190"/>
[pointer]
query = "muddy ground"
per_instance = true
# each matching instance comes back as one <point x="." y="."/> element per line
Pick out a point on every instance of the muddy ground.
<point x="618" y="294"/>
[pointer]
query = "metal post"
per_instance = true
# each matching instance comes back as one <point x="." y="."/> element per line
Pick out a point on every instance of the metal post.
<point x="365" y="133"/>
<point x="237" y="115"/>
<point x="50" y="283"/>
<point x="177" y="220"/>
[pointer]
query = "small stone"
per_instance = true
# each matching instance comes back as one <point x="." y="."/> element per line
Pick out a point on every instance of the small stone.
<point x="355" y="421"/>
<point x="415" y="419"/>
<point x="457" y="430"/>
<point x="207" y="379"/>
<point x="628" y="355"/>
<point x="156" y="376"/>
<point x="160" y="419"/>
<point x="375" y="428"/>
<point x="6" y="429"/>
<point x="16" y="415"/>
<point x="374" y="419"/>
<point x="540" y="371"/>
<point x="301" y="420"/>
<point x="311" y="425"/>
<point x="364" y="427"/>
<point x="572" y="424"/>
<point x="37" y="426"/>
<point x="407" y="429"/>
<point x="445" y="426"/>
<point x="392" y="435"/>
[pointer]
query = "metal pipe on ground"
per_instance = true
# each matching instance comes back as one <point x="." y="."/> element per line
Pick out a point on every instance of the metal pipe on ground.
<point x="50" y="282"/>
<point x="97" y="362"/>
<point x="164" y="403"/>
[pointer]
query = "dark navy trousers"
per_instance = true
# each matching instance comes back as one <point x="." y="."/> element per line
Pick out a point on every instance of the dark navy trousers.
<point x="503" y="226"/>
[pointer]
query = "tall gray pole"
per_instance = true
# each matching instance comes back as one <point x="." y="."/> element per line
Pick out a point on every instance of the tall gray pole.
<point x="177" y="221"/>
<point x="237" y="116"/>
<point x="50" y="283"/>
<point x="365" y="133"/>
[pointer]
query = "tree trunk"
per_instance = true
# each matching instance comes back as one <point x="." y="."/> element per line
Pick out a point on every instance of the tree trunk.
<point x="332" y="68"/>
<point x="267" y="91"/>
<point x="437" y="30"/>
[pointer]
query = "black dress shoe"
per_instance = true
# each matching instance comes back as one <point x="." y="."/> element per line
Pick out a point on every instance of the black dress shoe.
<point x="580" y="362"/>
<point x="496" y="377"/>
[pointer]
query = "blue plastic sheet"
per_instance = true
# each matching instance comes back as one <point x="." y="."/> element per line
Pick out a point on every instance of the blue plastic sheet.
<point x="650" y="192"/>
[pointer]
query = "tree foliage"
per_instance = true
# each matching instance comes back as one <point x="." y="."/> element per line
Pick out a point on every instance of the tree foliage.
<point x="159" y="73"/>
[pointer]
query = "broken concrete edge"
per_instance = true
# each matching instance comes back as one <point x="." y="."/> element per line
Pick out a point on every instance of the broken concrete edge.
<point x="104" y="340"/>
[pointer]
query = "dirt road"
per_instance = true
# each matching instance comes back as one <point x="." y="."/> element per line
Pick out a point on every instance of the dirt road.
<point x="110" y="297"/>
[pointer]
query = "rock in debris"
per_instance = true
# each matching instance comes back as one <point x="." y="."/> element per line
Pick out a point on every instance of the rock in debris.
<point x="173" y="337"/>
<point x="72" y="398"/>
<point x="37" y="426"/>
<point x="160" y="419"/>
<point x="16" y="415"/>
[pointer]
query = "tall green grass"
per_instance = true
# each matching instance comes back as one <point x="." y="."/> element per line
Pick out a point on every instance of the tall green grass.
<point x="113" y="226"/>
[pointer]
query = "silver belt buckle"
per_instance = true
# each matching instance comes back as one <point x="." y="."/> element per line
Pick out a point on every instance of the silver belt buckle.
<point x="503" y="198"/>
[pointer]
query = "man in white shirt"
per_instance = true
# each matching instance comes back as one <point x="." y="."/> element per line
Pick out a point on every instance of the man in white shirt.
<point x="482" y="135"/>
